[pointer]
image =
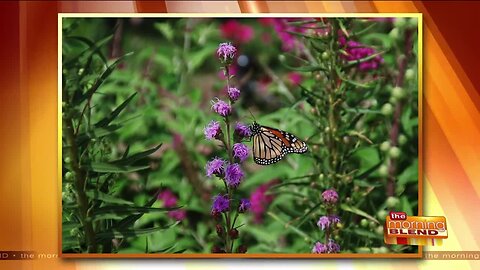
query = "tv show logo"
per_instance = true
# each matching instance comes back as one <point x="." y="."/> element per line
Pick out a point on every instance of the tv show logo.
<point x="401" y="229"/>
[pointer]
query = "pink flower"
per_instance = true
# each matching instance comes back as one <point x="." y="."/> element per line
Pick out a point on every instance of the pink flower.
<point x="236" y="31"/>
<point x="295" y="78"/>
<point x="259" y="200"/>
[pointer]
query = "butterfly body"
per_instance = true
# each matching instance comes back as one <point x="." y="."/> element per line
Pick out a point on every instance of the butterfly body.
<point x="270" y="145"/>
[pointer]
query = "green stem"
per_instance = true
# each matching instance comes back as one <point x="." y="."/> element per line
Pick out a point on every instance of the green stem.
<point x="80" y="182"/>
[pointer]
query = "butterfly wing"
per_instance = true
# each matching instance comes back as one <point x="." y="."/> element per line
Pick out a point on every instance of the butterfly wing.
<point x="270" y="145"/>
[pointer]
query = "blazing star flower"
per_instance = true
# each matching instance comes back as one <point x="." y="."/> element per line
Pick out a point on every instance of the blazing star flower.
<point x="319" y="248"/>
<point x="357" y="51"/>
<point x="333" y="247"/>
<point x="233" y="175"/>
<point x="334" y="219"/>
<point x="324" y="222"/>
<point x="242" y="130"/>
<point x="330" y="196"/>
<point x="212" y="130"/>
<point x="226" y="52"/>
<point x="168" y="198"/>
<point x="222" y="108"/>
<point x="178" y="214"/>
<point x="233" y="93"/>
<point x="240" y="151"/>
<point x="234" y="30"/>
<point x="260" y="200"/>
<point x="244" y="205"/>
<point x="220" y="204"/>
<point x="295" y="77"/>
<point x="215" y="167"/>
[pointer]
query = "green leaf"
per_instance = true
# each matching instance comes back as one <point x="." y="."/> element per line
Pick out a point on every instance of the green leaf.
<point x="357" y="211"/>
<point x="128" y="221"/>
<point x="105" y="121"/>
<point x="165" y="29"/>
<point x="365" y="59"/>
<point x="93" y="48"/>
<point x="103" y="167"/>
<point x="100" y="196"/>
<point x="100" y="80"/>
<point x="115" y="233"/>
<point x="306" y="216"/>
<point x="410" y="174"/>
<point x="129" y="210"/>
<point x="135" y="157"/>
<point x="406" y="206"/>
<point x="365" y="233"/>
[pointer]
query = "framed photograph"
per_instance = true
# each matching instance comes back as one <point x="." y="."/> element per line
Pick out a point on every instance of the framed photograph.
<point x="246" y="136"/>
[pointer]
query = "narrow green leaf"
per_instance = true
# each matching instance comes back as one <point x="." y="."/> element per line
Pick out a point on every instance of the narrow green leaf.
<point x="138" y="156"/>
<point x="129" y="210"/>
<point x="105" y="121"/>
<point x="306" y="216"/>
<point x="357" y="211"/>
<point x="128" y="221"/>
<point x="103" y="167"/>
<point x="100" y="196"/>
<point x="114" y="233"/>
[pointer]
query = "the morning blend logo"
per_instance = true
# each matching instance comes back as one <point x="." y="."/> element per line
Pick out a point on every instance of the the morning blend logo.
<point x="414" y="230"/>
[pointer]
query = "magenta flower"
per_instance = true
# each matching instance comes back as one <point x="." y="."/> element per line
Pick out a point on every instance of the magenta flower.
<point x="234" y="30"/>
<point x="358" y="51"/>
<point x="220" y="204"/>
<point x="168" y="198"/>
<point x="319" y="248"/>
<point x="226" y="52"/>
<point x="323" y="222"/>
<point x="244" y="205"/>
<point x="222" y="108"/>
<point x="242" y="130"/>
<point x="295" y="77"/>
<point x="240" y="151"/>
<point x="169" y="201"/>
<point x="233" y="93"/>
<point x="215" y="167"/>
<point x="260" y="200"/>
<point x="233" y="175"/>
<point x="212" y="130"/>
<point x="178" y="214"/>
<point x="330" y="196"/>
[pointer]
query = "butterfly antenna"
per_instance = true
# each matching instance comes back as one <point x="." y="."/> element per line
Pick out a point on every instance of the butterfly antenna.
<point x="253" y="117"/>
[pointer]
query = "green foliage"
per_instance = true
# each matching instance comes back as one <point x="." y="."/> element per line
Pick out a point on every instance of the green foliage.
<point x="133" y="127"/>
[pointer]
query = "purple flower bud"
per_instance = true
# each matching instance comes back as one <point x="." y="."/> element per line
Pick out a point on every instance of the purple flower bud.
<point x="222" y="108"/>
<point x="244" y="205"/>
<point x="334" y="219"/>
<point x="212" y="130"/>
<point x="233" y="93"/>
<point x="319" y="248"/>
<point x="330" y="196"/>
<point x="226" y="52"/>
<point x="220" y="204"/>
<point x="240" y="151"/>
<point x="215" y="167"/>
<point x="233" y="175"/>
<point x="242" y="130"/>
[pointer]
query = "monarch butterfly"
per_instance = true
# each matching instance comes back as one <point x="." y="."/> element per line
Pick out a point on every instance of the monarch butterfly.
<point x="270" y="145"/>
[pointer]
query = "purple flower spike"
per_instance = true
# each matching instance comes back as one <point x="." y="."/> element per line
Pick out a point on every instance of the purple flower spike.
<point x="226" y="52"/>
<point x="319" y="248"/>
<point x="220" y="204"/>
<point x="330" y="196"/>
<point x="215" y="167"/>
<point x="244" y="205"/>
<point x="233" y="93"/>
<point x="240" y="151"/>
<point x="212" y="130"/>
<point x="333" y="247"/>
<point x="323" y="222"/>
<point x="222" y="108"/>
<point x="233" y="175"/>
<point x="242" y="130"/>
